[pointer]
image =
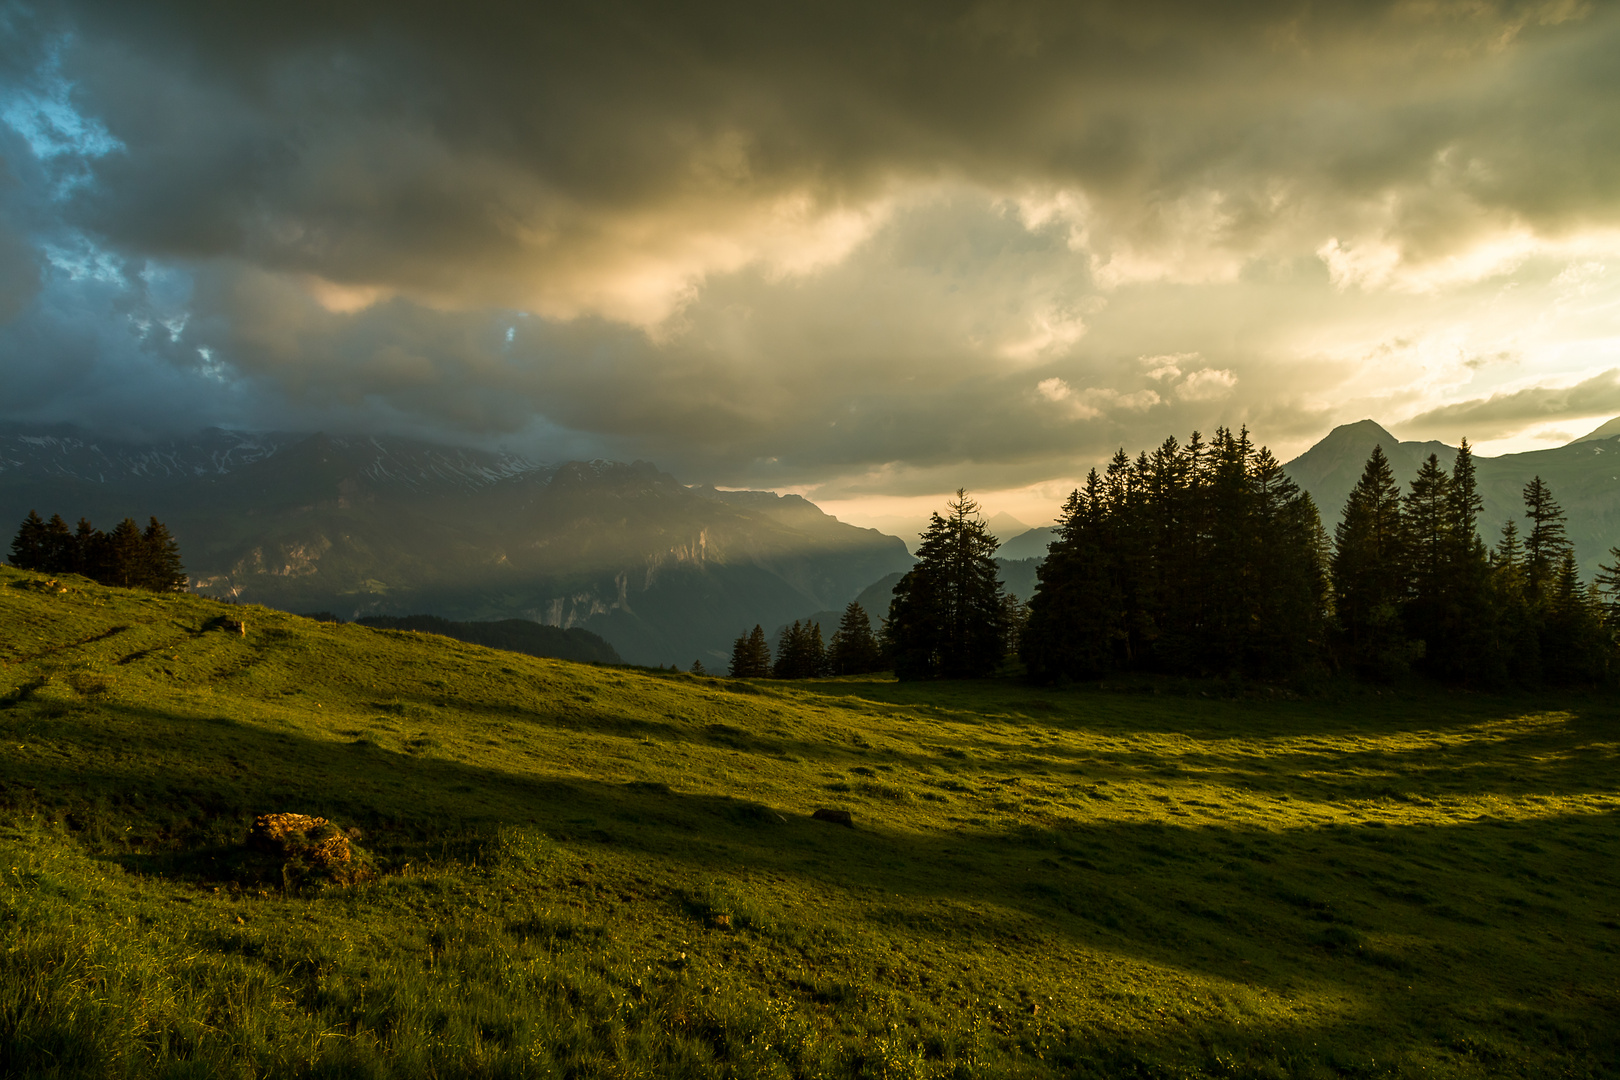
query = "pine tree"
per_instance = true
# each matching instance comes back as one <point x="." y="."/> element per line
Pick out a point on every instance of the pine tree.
<point x="125" y="551"/>
<point x="90" y="550"/>
<point x="751" y="656"/>
<point x="58" y="548"/>
<point x="1427" y="518"/>
<point x="1287" y="563"/>
<point x="1370" y="576"/>
<point x="1517" y="639"/>
<point x="853" y="649"/>
<point x="945" y="620"/>
<point x="698" y="668"/>
<point x="161" y="569"/>
<point x="1075" y="616"/>
<point x="28" y="547"/>
<point x="1608" y="582"/>
<point x="800" y="653"/>
<point x="1547" y="544"/>
<point x="1575" y="645"/>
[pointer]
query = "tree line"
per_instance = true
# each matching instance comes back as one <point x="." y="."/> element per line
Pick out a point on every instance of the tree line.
<point x="1205" y="559"/>
<point x="128" y="556"/>
<point x="801" y="653"/>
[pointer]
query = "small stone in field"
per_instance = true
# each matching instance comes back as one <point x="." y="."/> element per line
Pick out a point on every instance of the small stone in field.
<point x="837" y="817"/>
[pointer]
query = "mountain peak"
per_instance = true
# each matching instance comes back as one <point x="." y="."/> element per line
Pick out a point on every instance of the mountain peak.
<point x="1606" y="431"/>
<point x="1360" y="431"/>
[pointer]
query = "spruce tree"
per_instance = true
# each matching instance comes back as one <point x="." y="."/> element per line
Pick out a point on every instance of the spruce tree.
<point x="945" y="620"/>
<point x="1427" y="518"/>
<point x="1575" y="644"/>
<point x="161" y="569"/>
<point x="1370" y="575"/>
<point x="1075" y="616"/>
<point x="1608" y="583"/>
<point x="1546" y="545"/>
<point x="90" y="550"/>
<point x="125" y="554"/>
<point x="854" y="649"/>
<point x="751" y="656"/>
<point x="28" y="546"/>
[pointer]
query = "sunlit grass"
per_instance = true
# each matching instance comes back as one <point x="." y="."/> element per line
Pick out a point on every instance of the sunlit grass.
<point x="610" y="871"/>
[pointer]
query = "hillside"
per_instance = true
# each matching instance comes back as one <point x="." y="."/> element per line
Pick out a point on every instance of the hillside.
<point x="604" y="871"/>
<point x="1584" y="475"/>
<point x="389" y="526"/>
<point x="512" y="635"/>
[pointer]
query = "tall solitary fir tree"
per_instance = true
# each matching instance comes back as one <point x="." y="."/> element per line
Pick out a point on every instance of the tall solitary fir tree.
<point x="946" y="619"/>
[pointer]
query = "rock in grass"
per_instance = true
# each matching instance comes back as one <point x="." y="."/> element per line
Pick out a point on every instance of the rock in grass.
<point x="837" y="817"/>
<point x="311" y="849"/>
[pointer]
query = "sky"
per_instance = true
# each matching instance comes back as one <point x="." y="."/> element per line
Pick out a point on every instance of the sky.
<point x="869" y="253"/>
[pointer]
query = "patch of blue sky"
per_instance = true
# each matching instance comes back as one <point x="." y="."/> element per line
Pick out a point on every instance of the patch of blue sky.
<point x="45" y="116"/>
<point x="82" y="260"/>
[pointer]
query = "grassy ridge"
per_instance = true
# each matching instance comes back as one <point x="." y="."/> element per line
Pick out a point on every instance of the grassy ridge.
<point x="607" y="871"/>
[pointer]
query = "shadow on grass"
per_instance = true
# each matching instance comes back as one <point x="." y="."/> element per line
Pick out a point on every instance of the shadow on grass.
<point x="1484" y="907"/>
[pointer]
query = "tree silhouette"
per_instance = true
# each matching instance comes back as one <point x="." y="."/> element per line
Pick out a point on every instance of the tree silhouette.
<point x="751" y="656"/>
<point x="1370" y="574"/>
<point x="853" y="649"/>
<point x="946" y="619"/>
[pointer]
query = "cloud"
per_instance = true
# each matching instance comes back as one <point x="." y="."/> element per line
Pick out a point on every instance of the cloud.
<point x="834" y="246"/>
<point x="1505" y="413"/>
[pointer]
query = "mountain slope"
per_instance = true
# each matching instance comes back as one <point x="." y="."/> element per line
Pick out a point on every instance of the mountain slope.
<point x="1584" y="476"/>
<point x="373" y="526"/>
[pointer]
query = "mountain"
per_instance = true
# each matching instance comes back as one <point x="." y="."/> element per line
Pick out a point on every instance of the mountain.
<point x="388" y="526"/>
<point x="1584" y="476"/>
<point x="1605" y="431"/>
<point x="1030" y="544"/>
<point x="1003" y="526"/>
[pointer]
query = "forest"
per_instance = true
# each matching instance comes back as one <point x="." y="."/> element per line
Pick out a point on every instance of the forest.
<point x="1206" y="560"/>
<point x="128" y="557"/>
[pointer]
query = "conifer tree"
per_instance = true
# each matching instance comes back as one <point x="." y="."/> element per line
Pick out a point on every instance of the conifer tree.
<point x="59" y="547"/>
<point x="1516" y="636"/>
<point x="125" y="551"/>
<point x="160" y="569"/>
<point x="853" y="649"/>
<point x="89" y="550"/>
<point x="1075" y="615"/>
<point x="1546" y="545"/>
<point x="1370" y="573"/>
<point x="28" y="546"/>
<point x="698" y="668"/>
<point x="945" y="620"/>
<point x="751" y="656"/>
<point x="800" y="653"/>
<point x="1575" y="644"/>
<point x="1608" y="583"/>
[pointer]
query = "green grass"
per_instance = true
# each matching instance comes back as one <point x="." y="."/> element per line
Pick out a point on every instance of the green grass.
<point x="609" y="871"/>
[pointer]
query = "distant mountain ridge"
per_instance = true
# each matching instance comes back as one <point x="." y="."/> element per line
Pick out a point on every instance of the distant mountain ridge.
<point x="390" y="526"/>
<point x="1584" y="476"/>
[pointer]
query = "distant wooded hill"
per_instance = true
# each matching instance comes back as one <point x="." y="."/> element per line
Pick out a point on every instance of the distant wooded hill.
<point x="386" y="526"/>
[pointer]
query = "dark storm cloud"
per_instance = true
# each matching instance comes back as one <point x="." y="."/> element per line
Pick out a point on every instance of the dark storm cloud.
<point x="455" y="152"/>
<point x="763" y="243"/>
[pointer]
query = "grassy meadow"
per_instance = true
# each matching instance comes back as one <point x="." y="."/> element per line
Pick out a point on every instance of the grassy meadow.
<point x="600" y="871"/>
